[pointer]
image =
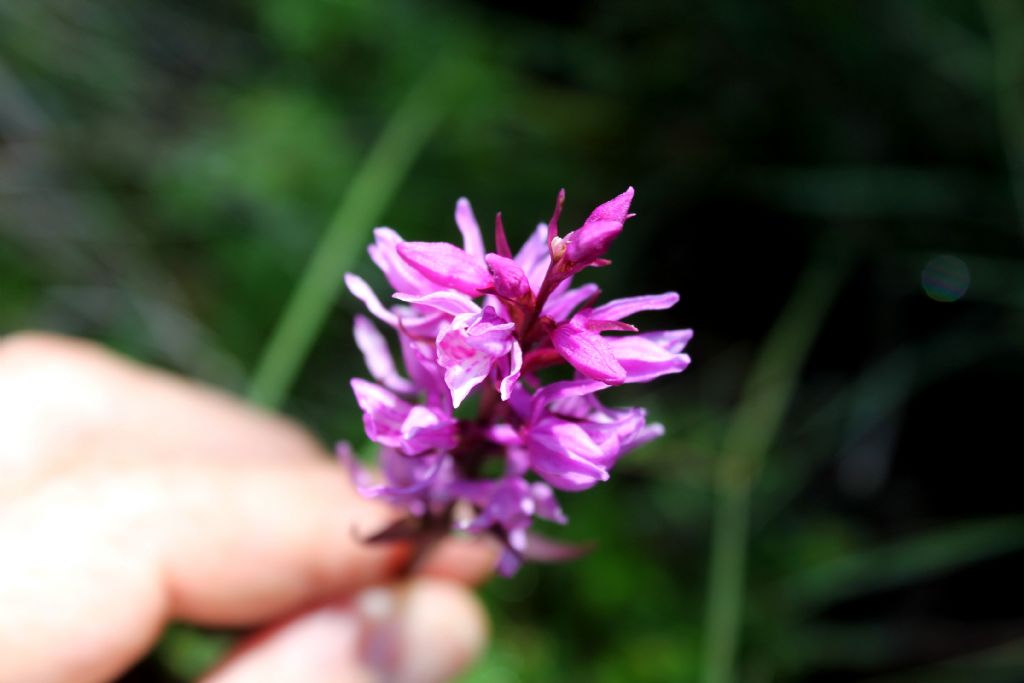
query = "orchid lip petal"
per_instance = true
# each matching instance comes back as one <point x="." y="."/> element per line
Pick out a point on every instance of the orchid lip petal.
<point x="469" y="346"/>
<point x="509" y="380"/>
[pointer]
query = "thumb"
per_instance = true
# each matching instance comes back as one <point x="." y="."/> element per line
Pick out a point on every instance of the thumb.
<point x="426" y="631"/>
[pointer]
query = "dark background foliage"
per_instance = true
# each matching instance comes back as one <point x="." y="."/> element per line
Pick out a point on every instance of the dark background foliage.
<point x="817" y="179"/>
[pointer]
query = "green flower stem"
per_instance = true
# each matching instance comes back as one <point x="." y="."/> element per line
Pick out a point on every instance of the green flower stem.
<point x="753" y="428"/>
<point x="388" y="163"/>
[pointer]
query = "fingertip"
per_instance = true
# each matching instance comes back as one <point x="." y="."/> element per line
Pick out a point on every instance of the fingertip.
<point x="426" y="631"/>
<point x="443" y="629"/>
<point x="468" y="560"/>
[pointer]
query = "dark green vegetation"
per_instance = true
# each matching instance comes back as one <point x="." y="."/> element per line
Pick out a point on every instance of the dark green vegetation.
<point x="831" y="501"/>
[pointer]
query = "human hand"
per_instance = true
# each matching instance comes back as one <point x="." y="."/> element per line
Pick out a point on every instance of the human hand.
<point x="130" y="498"/>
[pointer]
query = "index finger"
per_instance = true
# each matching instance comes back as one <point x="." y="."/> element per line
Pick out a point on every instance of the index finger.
<point x="102" y="551"/>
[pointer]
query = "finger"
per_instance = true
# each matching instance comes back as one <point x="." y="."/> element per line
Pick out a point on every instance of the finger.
<point x="114" y="409"/>
<point x="235" y="546"/>
<point x="465" y="560"/>
<point x="151" y="516"/>
<point x="141" y="541"/>
<point x="121" y="411"/>
<point x="55" y="391"/>
<point x="425" y="632"/>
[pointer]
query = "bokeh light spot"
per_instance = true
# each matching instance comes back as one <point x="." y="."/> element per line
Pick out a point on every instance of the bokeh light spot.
<point x="945" y="278"/>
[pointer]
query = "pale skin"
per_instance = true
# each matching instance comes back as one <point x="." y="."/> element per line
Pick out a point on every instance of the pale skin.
<point x="131" y="498"/>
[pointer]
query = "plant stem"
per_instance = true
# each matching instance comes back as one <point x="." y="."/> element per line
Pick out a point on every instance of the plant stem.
<point x="750" y="433"/>
<point x="388" y="163"/>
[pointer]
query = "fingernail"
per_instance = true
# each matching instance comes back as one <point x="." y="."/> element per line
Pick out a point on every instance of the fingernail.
<point x="378" y="647"/>
<point x="425" y="632"/>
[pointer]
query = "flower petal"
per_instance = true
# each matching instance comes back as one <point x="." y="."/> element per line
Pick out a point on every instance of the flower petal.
<point x="618" y="309"/>
<point x="568" y="472"/>
<point x="560" y="305"/>
<point x="401" y="276"/>
<point x="422" y="431"/>
<point x="643" y="359"/>
<point x="378" y="357"/>
<point x="407" y="481"/>
<point x="452" y="303"/>
<point x="447" y="265"/>
<point x="472" y="239"/>
<point x="420" y="359"/>
<point x="390" y="421"/>
<point x="672" y="341"/>
<point x="515" y="369"/>
<point x="509" y="563"/>
<point x="547" y="505"/>
<point x="469" y="347"/>
<point x="588" y="352"/>
<point x="503" y="434"/>
<point x="362" y="291"/>
<point x="556" y="391"/>
<point x="534" y="257"/>
<point x="383" y="412"/>
<point x="614" y="210"/>
<point x="562" y="453"/>
<point x="542" y="549"/>
<point x="510" y="281"/>
<point x="590" y="242"/>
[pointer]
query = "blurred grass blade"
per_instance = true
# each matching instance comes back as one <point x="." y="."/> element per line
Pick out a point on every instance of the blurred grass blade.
<point x="934" y="359"/>
<point x="1006" y="26"/>
<point x="870" y="192"/>
<point x="752" y="430"/>
<point x="881" y="645"/>
<point x="344" y="239"/>
<point x="903" y="562"/>
<point x="188" y="652"/>
<point x="999" y="664"/>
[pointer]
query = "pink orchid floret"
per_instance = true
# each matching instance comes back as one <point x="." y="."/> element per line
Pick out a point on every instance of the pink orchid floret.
<point x="471" y="322"/>
<point x="411" y="429"/>
<point x="469" y="346"/>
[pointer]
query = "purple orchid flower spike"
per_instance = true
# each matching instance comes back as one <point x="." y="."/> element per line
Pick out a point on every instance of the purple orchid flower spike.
<point x="471" y="323"/>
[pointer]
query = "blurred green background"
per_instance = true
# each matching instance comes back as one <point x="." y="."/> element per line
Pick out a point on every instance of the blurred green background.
<point x="835" y="188"/>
